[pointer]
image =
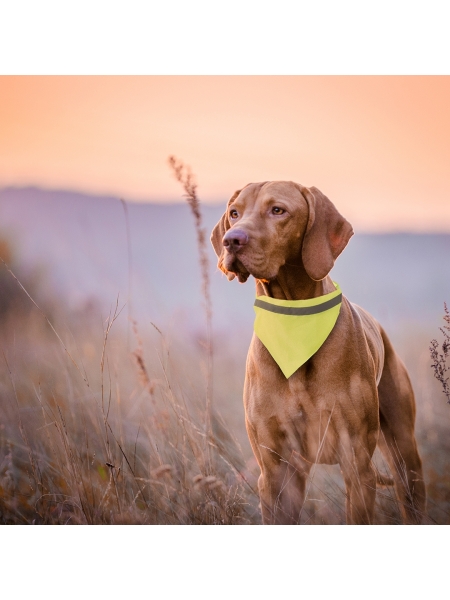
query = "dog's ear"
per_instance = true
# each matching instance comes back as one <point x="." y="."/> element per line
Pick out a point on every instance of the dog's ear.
<point x="327" y="234"/>
<point x="217" y="236"/>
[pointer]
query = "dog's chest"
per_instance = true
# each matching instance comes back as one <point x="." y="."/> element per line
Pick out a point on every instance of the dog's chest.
<point x="291" y="420"/>
<point x="300" y="398"/>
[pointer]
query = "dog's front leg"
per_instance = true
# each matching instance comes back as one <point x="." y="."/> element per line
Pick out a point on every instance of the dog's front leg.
<point x="282" y="493"/>
<point x="281" y="484"/>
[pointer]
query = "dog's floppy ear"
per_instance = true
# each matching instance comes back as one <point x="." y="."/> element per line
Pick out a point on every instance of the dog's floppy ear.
<point x="327" y="234"/>
<point x="217" y="236"/>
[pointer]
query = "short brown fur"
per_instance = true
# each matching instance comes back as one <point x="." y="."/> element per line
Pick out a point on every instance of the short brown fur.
<point x="331" y="409"/>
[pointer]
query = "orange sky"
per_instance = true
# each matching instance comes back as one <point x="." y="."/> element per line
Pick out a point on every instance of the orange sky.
<point x="378" y="147"/>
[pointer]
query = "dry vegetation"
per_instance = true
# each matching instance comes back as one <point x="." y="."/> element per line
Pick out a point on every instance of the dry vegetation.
<point x="105" y="420"/>
<point x="438" y="360"/>
<point x="95" y="434"/>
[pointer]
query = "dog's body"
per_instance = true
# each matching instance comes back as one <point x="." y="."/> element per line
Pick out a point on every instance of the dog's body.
<point x="331" y="410"/>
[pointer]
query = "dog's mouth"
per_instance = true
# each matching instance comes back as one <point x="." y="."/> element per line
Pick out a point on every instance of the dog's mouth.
<point x="242" y="268"/>
<point x="235" y="266"/>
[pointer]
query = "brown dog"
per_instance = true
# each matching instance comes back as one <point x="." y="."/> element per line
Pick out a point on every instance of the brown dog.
<point x="332" y="408"/>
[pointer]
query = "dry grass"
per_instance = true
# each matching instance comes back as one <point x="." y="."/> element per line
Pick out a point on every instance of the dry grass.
<point x="183" y="175"/>
<point x="120" y="437"/>
<point x="109" y="439"/>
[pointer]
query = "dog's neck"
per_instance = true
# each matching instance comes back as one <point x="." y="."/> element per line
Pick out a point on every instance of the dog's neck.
<point x="294" y="283"/>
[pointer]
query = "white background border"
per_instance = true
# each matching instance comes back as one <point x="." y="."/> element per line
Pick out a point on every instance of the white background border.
<point x="233" y="37"/>
<point x="49" y="37"/>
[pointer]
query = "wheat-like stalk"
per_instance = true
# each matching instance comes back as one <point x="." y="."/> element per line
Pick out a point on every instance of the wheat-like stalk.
<point x="184" y="175"/>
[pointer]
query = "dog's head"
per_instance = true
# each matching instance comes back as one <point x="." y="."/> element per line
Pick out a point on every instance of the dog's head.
<point x="267" y="225"/>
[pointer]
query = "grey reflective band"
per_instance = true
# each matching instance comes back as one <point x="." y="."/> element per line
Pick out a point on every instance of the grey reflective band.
<point x="306" y="310"/>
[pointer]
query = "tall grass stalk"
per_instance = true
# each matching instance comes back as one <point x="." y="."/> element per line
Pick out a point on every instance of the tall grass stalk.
<point x="183" y="175"/>
<point x="130" y="272"/>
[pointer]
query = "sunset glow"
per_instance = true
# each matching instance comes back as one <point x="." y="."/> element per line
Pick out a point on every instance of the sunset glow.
<point x="378" y="147"/>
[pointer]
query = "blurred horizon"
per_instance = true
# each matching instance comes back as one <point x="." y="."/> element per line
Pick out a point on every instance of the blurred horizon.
<point x="88" y="247"/>
<point x="362" y="226"/>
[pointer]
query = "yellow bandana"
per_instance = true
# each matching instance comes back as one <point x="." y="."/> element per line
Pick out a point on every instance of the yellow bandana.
<point x="293" y="330"/>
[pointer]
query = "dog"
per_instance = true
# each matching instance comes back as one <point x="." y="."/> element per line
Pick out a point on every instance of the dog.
<point x="350" y="395"/>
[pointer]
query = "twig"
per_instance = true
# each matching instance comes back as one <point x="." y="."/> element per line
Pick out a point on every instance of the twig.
<point x="439" y="361"/>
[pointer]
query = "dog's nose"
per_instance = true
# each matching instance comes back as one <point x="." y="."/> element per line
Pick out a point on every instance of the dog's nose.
<point x="234" y="239"/>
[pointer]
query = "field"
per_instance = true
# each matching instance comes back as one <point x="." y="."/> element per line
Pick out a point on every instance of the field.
<point x="105" y="420"/>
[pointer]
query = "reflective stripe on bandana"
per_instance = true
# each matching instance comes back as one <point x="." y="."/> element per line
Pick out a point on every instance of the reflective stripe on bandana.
<point x="293" y="330"/>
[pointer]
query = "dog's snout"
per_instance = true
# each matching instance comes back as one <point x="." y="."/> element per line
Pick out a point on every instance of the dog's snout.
<point x="234" y="239"/>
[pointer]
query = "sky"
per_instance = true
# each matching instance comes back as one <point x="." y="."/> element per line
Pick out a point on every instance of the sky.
<point x="377" y="146"/>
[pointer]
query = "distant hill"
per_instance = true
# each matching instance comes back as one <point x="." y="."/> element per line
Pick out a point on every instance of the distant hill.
<point x="82" y="242"/>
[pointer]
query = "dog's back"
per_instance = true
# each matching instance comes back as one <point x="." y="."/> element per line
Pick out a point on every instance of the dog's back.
<point x="372" y="330"/>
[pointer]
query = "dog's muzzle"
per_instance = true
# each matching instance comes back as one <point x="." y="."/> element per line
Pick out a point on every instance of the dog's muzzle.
<point x="234" y="240"/>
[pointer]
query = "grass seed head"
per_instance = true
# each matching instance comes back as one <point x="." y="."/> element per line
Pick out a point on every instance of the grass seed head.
<point x="162" y="471"/>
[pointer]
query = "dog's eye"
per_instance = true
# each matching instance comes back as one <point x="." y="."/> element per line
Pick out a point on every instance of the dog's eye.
<point x="276" y="210"/>
<point x="234" y="214"/>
